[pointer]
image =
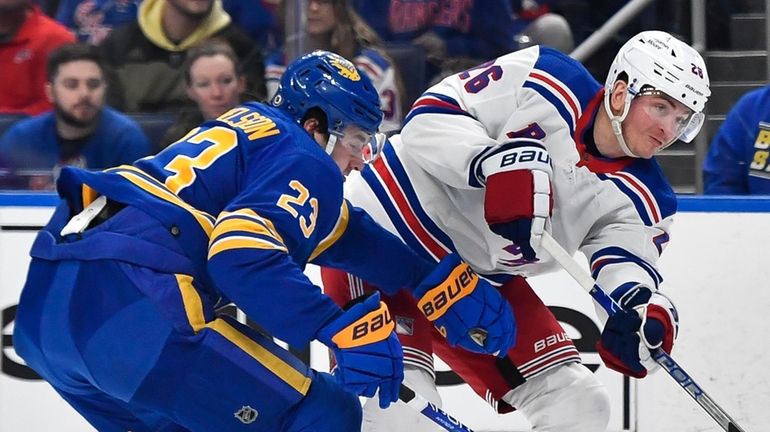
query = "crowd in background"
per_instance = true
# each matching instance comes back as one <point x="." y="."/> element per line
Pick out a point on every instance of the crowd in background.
<point x="98" y="83"/>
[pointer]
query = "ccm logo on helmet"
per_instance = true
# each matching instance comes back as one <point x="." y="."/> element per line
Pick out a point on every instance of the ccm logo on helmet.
<point x="461" y="282"/>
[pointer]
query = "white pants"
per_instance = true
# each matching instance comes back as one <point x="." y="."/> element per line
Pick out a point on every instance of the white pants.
<point x="567" y="398"/>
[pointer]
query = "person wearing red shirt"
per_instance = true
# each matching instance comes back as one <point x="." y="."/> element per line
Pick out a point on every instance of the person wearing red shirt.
<point x="27" y="36"/>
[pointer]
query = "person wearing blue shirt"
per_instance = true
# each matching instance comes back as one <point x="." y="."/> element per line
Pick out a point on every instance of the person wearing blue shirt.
<point x="93" y="20"/>
<point x="79" y="131"/>
<point x="737" y="162"/>
<point x="119" y="312"/>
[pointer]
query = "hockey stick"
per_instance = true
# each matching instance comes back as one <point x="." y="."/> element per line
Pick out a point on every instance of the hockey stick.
<point x="672" y="367"/>
<point x="431" y="411"/>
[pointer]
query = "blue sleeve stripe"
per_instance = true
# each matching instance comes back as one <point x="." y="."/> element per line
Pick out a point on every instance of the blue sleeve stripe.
<point x="617" y="255"/>
<point x="558" y="88"/>
<point x="644" y="201"/>
<point x="568" y="73"/>
<point x="373" y="56"/>
<point x="476" y="177"/>
<point x="390" y="209"/>
<point x="556" y="100"/>
<point x="387" y="179"/>
<point x="660" y="241"/>
<point x="437" y="104"/>
<point x="370" y="66"/>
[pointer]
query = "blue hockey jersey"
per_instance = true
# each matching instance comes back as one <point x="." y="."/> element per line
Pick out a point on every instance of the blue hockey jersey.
<point x="250" y="198"/>
<point x="738" y="159"/>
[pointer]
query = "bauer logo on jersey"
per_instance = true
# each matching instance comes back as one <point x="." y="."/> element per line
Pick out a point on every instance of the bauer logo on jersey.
<point x="759" y="164"/>
<point x="345" y="68"/>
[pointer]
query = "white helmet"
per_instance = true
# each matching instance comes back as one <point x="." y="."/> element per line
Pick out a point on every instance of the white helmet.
<point x="659" y="60"/>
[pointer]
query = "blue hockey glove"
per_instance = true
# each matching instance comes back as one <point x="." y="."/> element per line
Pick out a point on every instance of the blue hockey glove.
<point x="517" y="198"/>
<point x="649" y="320"/>
<point x="368" y="354"/>
<point x="467" y="310"/>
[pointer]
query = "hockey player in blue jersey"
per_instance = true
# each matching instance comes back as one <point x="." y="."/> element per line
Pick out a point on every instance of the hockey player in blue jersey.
<point x="118" y="311"/>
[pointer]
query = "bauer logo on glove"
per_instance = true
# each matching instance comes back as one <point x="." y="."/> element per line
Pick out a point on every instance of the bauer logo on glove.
<point x="461" y="282"/>
<point x="466" y="309"/>
<point x="372" y="327"/>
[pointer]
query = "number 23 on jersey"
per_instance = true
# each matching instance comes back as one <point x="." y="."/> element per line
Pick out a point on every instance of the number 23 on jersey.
<point x="294" y="203"/>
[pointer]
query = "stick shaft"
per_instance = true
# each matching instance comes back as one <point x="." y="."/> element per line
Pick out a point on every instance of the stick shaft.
<point x="431" y="411"/>
<point x="666" y="362"/>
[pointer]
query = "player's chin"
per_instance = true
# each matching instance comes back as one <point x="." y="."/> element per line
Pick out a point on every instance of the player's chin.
<point x="647" y="151"/>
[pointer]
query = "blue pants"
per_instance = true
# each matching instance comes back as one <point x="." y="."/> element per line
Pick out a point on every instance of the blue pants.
<point x="126" y="360"/>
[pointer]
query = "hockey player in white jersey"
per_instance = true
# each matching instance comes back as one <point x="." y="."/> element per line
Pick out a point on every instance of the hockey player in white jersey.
<point x="491" y="158"/>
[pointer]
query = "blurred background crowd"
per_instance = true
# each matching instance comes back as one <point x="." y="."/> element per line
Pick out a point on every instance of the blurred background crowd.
<point x="99" y="83"/>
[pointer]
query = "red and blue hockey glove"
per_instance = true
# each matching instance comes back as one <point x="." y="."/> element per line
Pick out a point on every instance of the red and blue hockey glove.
<point x="649" y="320"/>
<point x="368" y="354"/>
<point x="467" y="310"/>
<point x="518" y="199"/>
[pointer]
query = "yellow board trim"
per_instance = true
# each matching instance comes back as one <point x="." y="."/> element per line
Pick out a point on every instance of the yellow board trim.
<point x="274" y="364"/>
<point x="337" y="231"/>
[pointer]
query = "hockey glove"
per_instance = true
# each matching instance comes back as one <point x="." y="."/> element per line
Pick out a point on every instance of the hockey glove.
<point x="368" y="354"/>
<point x="648" y="320"/>
<point x="518" y="200"/>
<point x="467" y="310"/>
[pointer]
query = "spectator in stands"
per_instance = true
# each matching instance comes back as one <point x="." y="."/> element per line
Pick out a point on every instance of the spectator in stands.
<point x="214" y="82"/>
<point x="334" y="26"/>
<point x="148" y="54"/>
<point x="47" y="6"/>
<point x="738" y="160"/>
<point x="27" y="36"/>
<point x="79" y="130"/>
<point x="256" y="18"/>
<point x="93" y="20"/>
<point x="450" y="31"/>
<point x="534" y="20"/>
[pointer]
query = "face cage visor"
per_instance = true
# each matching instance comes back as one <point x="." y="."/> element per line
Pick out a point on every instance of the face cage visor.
<point x="685" y="125"/>
<point x="358" y="142"/>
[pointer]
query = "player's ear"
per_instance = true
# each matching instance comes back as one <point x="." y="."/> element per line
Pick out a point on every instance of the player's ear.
<point x="619" y="94"/>
<point x="311" y="125"/>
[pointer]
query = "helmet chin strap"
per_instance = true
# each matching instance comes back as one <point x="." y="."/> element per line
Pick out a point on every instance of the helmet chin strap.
<point x="616" y="122"/>
<point x="331" y="143"/>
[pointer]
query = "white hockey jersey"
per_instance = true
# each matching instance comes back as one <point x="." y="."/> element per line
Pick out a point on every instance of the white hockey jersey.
<point x="428" y="186"/>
